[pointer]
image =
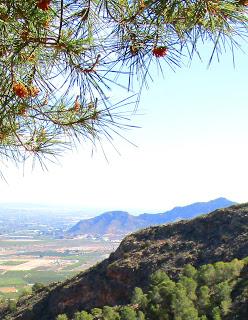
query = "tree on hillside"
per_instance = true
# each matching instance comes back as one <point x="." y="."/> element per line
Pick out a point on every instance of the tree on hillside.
<point x="139" y="298"/>
<point x="110" y="314"/>
<point x="62" y="317"/>
<point x="83" y="315"/>
<point x="59" y="58"/>
<point x="128" y="313"/>
<point x="204" y="299"/>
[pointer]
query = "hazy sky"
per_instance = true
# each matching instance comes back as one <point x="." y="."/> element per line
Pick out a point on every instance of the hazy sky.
<point x="193" y="146"/>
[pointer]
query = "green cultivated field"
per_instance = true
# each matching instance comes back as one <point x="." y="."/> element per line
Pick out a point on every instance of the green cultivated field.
<point x="23" y="279"/>
<point x="12" y="262"/>
<point x="13" y="278"/>
<point x="62" y="259"/>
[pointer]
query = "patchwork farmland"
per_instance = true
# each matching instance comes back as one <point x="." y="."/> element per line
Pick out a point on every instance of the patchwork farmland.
<point x="25" y="262"/>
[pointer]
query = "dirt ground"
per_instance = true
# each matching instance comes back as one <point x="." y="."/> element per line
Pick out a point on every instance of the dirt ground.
<point x="8" y="289"/>
<point x="32" y="264"/>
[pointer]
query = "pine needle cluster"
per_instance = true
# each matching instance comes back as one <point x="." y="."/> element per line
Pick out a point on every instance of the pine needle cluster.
<point x="60" y="58"/>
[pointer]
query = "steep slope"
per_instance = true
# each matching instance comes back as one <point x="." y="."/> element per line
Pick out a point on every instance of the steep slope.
<point x="204" y="293"/>
<point x="219" y="236"/>
<point x="119" y="223"/>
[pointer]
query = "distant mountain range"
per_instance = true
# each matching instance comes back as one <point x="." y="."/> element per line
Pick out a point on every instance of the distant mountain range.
<point x="117" y="224"/>
<point x="219" y="236"/>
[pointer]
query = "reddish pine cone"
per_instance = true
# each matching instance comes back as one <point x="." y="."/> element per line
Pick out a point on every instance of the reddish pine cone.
<point x="160" y="52"/>
<point x="243" y="2"/>
<point x="44" y="4"/>
<point x="20" y="90"/>
<point x="76" y="105"/>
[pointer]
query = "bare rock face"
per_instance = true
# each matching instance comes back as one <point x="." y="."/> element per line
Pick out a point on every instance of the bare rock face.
<point x="218" y="236"/>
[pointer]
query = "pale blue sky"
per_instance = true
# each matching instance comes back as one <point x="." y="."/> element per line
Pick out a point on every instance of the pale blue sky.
<point x="193" y="146"/>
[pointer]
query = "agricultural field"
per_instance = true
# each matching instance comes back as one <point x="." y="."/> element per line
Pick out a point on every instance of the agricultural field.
<point x="25" y="262"/>
<point x="34" y="247"/>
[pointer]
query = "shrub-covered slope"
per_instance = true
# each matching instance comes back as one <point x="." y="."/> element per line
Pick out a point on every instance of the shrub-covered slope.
<point x="218" y="236"/>
<point x="205" y="293"/>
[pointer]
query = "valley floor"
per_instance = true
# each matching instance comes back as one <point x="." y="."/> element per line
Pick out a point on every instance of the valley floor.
<point x="25" y="262"/>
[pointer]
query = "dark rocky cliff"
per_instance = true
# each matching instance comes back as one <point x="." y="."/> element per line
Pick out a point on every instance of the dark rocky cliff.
<point x="221" y="235"/>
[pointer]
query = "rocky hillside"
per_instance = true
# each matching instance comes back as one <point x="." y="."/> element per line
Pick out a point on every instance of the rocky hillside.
<point x="113" y="224"/>
<point x="117" y="224"/>
<point x="219" y="236"/>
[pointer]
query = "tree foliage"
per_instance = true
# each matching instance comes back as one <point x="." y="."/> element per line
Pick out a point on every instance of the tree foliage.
<point x="62" y="317"/>
<point x="59" y="58"/>
<point x="185" y="299"/>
